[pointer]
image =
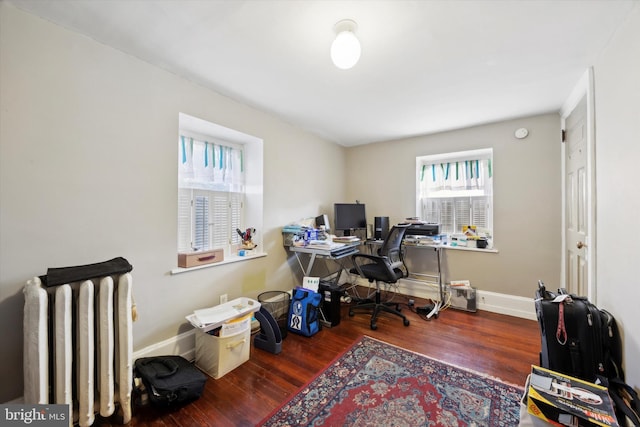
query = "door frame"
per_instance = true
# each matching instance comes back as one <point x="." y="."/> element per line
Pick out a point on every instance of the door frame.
<point x="584" y="87"/>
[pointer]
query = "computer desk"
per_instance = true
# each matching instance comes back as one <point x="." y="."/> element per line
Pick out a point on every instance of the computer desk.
<point x="435" y="276"/>
<point x="337" y="255"/>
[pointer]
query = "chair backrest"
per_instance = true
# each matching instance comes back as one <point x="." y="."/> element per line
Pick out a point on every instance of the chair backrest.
<point x="391" y="248"/>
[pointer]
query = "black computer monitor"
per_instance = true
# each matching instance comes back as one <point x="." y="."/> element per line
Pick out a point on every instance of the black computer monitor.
<point x="349" y="217"/>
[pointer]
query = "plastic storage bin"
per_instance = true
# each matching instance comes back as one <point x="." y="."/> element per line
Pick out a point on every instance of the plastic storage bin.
<point x="218" y="356"/>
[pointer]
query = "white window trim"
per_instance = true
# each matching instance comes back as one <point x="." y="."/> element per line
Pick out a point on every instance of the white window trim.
<point x="254" y="200"/>
<point x="483" y="153"/>
<point x="251" y="255"/>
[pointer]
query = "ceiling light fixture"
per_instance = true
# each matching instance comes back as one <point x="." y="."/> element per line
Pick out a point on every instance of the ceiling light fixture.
<point x="345" y="49"/>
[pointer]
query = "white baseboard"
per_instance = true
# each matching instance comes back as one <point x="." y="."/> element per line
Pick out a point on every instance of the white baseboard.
<point x="181" y="345"/>
<point x="489" y="301"/>
<point x="184" y="344"/>
<point x="506" y="304"/>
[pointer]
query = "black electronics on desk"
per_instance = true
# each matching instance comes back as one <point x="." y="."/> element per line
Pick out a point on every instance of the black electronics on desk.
<point x="423" y="230"/>
<point x="323" y="220"/>
<point x="380" y="227"/>
<point x="349" y="217"/>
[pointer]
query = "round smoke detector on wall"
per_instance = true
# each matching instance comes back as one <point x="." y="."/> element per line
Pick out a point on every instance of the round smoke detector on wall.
<point x="521" y="133"/>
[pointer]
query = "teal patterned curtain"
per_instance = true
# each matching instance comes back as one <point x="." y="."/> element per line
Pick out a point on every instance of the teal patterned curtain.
<point x="210" y="165"/>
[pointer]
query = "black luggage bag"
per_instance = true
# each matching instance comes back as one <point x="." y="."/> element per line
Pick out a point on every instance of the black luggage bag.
<point x="170" y="380"/>
<point x="578" y="339"/>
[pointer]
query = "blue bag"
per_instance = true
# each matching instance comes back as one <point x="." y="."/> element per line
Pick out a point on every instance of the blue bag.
<point x="303" y="313"/>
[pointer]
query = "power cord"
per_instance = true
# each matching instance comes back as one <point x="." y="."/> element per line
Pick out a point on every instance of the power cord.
<point x="425" y="312"/>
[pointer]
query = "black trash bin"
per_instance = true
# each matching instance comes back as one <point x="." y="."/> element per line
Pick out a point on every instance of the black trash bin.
<point x="277" y="304"/>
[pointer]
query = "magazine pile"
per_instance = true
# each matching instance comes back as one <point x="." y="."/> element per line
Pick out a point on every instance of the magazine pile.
<point x="562" y="400"/>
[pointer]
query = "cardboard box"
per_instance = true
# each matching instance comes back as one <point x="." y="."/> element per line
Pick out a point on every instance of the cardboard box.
<point x="462" y="297"/>
<point x="561" y="400"/>
<point x="194" y="259"/>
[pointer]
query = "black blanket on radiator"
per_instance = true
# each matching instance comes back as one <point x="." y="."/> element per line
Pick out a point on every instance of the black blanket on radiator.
<point x="62" y="275"/>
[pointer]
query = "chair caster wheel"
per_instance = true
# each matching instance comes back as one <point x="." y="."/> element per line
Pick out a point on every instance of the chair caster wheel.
<point x="351" y="313"/>
<point x="373" y="326"/>
<point x="406" y="322"/>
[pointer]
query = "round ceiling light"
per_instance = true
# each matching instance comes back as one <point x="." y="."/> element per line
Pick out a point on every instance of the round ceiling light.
<point x="345" y="49"/>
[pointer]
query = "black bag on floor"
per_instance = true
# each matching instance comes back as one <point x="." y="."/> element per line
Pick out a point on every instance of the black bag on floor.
<point x="170" y="380"/>
<point x="626" y="401"/>
<point x="578" y="339"/>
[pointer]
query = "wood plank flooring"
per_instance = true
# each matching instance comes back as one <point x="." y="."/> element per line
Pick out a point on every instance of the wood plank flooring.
<point x="501" y="346"/>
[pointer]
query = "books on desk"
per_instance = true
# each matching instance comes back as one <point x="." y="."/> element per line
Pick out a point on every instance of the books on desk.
<point x="335" y="249"/>
<point x="420" y="241"/>
<point x="346" y="239"/>
<point x="324" y="244"/>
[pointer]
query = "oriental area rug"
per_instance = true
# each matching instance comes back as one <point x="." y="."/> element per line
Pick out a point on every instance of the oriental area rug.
<point x="378" y="384"/>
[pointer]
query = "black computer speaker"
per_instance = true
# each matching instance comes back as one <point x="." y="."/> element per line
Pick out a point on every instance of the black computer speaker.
<point x="380" y="227"/>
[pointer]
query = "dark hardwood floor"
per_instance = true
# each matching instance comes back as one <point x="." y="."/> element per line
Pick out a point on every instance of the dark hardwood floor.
<point x="501" y="346"/>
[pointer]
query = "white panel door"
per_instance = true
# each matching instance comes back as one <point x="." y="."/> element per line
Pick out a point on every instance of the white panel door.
<point x="576" y="203"/>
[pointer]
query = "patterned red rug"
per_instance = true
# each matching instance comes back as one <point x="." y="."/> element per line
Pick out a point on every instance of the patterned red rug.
<point x="378" y="384"/>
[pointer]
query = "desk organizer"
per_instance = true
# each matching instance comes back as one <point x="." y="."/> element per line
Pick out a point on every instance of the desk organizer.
<point x="194" y="259"/>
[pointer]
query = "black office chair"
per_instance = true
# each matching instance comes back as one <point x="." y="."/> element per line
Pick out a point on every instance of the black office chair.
<point x="388" y="266"/>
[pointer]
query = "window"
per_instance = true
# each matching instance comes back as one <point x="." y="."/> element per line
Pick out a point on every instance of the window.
<point x="216" y="165"/>
<point x="456" y="190"/>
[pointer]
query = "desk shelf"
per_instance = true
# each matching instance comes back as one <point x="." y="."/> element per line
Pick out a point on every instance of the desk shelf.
<point x="335" y="254"/>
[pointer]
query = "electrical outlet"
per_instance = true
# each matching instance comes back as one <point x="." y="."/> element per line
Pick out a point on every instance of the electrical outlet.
<point x="223" y="298"/>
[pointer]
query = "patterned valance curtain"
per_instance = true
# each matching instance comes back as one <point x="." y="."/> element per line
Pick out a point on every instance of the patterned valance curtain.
<point x="209" y="165"/>
<point x="457" y="176"/>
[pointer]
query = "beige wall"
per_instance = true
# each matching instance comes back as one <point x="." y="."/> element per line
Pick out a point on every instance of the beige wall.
<point x="88" y="172"/>
<point x="617" y="109"/>
<point x="527" y="198"/>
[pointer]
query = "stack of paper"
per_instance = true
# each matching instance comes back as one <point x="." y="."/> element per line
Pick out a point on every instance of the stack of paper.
<point x="210" y="318"/>
<point x="346" y="239"/>
<point x="324" y="244"/>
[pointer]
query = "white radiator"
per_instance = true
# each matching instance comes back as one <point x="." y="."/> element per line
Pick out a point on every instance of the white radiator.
<point x="78" y="346"/>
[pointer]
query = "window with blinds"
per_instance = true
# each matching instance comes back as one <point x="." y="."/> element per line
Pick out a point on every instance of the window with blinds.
<point x="456" y="190"/>
<point x="211" y="193"/>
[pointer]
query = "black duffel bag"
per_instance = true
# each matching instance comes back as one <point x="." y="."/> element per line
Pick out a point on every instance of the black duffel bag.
<point x="170" y="380"/>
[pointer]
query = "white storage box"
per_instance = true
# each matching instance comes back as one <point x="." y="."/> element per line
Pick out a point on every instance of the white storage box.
<point x="230" y="346"/>
<point x="219" y="355"/>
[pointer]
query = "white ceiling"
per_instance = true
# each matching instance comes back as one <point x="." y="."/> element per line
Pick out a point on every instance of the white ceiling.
<point x="426" y="66"/>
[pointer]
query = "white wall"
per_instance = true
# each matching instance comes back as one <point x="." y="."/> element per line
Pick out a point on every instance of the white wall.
<point x="88" y="172"/>
<point x="527" y="198"/>
<point x="617" y="110"/>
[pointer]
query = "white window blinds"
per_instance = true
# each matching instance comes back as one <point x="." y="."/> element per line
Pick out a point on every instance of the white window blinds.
<point x="211" y="185"/>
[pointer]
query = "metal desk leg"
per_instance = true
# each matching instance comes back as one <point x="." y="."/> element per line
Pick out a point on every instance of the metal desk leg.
<point x="438" y="250"/>
<point x="312" y="259"/>
<point x="440" y="303"/>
